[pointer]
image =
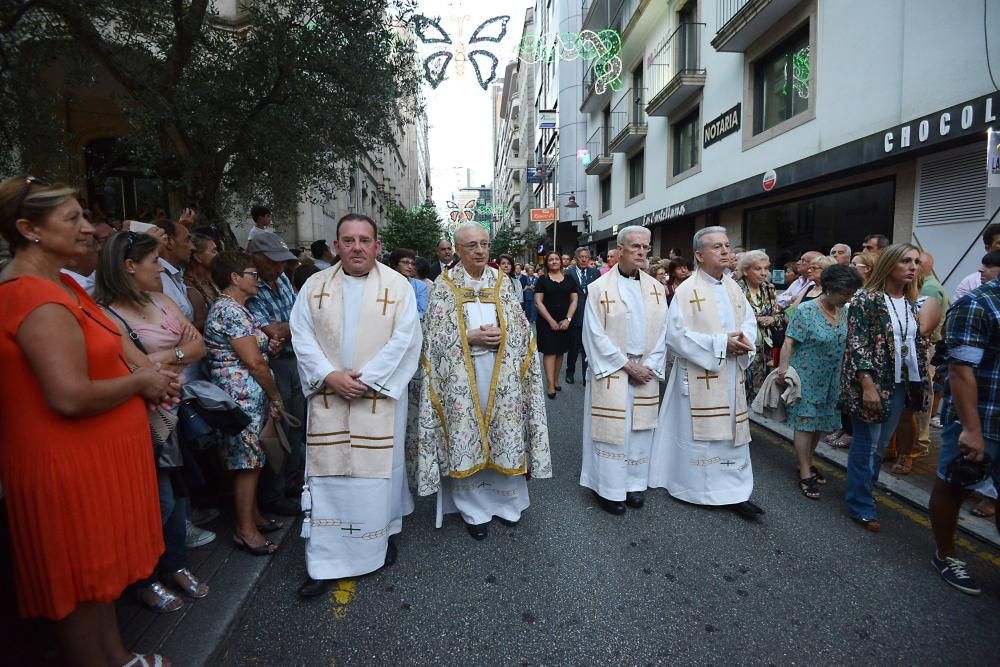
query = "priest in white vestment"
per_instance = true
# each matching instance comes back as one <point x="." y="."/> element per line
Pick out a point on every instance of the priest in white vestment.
<point x="623" y="334"/>
<point x="357" y="339"/>
<point x="703" y="437"/>
<point x="482" y="427"/>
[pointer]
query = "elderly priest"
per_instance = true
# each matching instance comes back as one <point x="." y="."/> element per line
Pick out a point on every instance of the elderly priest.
<point x="481" y="427"/>
<point x="357" y="339"/>
<point x="702" y="454"/>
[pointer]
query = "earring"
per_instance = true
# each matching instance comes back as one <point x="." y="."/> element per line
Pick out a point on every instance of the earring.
<point x="37" y="240"/>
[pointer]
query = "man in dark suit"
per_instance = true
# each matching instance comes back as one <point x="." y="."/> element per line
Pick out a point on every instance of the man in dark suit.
<point x="582" y="275"/>
<point x="444" y="257"/>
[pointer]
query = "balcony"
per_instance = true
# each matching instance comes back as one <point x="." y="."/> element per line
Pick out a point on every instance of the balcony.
<point x="601" y="158"/>
<point x="616" y="15"/>
<point x="742" y="22"/>
<point x="592" y="100"/>
<point x="676" y="74"/>
<point x="628" y="121"/>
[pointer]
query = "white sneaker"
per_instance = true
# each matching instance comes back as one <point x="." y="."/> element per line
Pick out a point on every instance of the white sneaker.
<point x="197" y="537"/>
<point x="936" y="422"/>
<point x="200" y="517"/>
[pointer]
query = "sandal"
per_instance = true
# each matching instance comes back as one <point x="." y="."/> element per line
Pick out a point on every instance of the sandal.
<point x="263" y="550"/>
<point x="985" y="508"/>
<point x="146" y="660"/>
<point x="270" y="526"/>
<point x="903" y="466"/>
<point x="158" y="599"/>
<point x="831" y="437"/>
<point x="808" y="488"/>
<point x="817" y="474"/>
<point x="843" y="442"/>
<point x="188" y="584"/>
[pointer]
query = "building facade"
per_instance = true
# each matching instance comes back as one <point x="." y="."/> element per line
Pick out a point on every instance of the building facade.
<point x="796" y="125"/>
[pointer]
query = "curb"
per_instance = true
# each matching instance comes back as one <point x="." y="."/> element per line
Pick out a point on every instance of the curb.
<point x="982" y="529"/>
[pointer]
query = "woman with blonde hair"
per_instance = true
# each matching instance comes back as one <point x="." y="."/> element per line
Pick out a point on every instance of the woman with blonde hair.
<point x="884" y="366"/>
<point x="864" y="262"/>
<point x="754" y="267"/>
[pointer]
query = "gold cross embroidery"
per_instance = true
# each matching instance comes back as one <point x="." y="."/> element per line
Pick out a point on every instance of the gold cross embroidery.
<point x="657" y="294"/>
<point x="610" y="378"/>
<point x="707" y="378"/>
<point x="697" y="300"/>
<point x="321" y="296"/>
<point x="607" y="304"/>
<point x="385" y="301"/>
<point x="375" y="398"/>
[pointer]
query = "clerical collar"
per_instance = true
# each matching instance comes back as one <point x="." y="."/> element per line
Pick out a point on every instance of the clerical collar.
<point x="348" y="275"/>
<point x="712" y="280"/>
<point x="634" y="276"/>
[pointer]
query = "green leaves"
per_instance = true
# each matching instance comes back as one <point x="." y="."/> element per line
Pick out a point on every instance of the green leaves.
<point x="418" y="229"/>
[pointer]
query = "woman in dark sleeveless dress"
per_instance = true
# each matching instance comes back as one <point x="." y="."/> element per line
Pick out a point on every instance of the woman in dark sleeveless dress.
<point x="555" y="300"/>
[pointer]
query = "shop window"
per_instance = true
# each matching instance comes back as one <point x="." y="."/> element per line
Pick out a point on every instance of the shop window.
<point x="636" y="167"/>
<point x="685" y="138"/>
<point x="605" y="194"/>
<point x="781" y="82"/>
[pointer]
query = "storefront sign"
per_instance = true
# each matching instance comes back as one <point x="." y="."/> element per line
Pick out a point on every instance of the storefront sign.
<point x="993" y="159"/>
<point x="543" y="214"/>
<point x="717" y="129"/>
<point x="548" y="120"/>
<point x="666" y="213"/>
<point x="968" y="118"/>
<point x="770" y="180"/>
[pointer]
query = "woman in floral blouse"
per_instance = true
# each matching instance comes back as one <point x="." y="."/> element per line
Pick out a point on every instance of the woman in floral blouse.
<point x="884" y="366"/>
<point x="237" y="362"/>
<point x="770" y="320"/>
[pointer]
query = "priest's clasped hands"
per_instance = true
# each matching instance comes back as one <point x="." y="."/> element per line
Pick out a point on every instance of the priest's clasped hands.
<point x="345" y="384"/>
<point x="638" y="374"/>
<point x="738" y="343"/>
<point x="485" y="336"/>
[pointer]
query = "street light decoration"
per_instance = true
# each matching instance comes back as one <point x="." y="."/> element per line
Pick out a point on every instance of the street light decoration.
<point x="484" y="63"/>
<point x="604" y="48"/>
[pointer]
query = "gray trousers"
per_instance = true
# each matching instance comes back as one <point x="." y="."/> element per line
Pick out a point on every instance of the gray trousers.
<point x="273" y="487"/>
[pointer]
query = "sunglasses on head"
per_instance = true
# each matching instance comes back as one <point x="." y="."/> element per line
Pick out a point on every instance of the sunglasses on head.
<point x="25" y="190"/>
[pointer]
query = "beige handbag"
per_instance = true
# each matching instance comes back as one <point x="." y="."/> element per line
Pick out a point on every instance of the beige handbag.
<point x="275" y="443"/>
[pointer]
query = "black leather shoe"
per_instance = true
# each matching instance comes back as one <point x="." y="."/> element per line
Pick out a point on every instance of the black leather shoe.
<point x="507" y="522"/>
<point x="610" y="506"/>
<point x="478" y="531"/>
<point x="315" y="587"/>
<point x="635" y="499"/>
<point x="283" y="507"/>
<point x="569" y="379"/>
<point x="583" y="380"/>
<point x="391" y="552"/>
<point x="746" y="509"/>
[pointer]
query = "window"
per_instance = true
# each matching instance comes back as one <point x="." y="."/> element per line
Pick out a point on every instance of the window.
<point x="605" y="194"/>
<point x="606" y="130"/>
<point x="685" y="137"/>
<point x="635" y="174"/>
<point x="781" y="82"/>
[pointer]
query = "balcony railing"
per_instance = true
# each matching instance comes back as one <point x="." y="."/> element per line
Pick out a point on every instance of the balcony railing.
<point x="676" y="69"/>
<point x="598" y="146"/>
<point x="628" y="120"/>
<point x="725" y="10"/>
<point x="603" y="14"/>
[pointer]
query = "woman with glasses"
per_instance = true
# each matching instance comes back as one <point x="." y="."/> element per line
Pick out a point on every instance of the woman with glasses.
<point x="555" y="300"/>
<point x="237" y="362"/>
<point x="75" y="450"/>
<point x="404" y="261"/>
<point x="128" y="286"/>
<point x="506" y="265"/>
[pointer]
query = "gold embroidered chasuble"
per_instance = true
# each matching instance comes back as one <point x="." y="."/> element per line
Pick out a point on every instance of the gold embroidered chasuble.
<point x="712" y="416"/>
<point x="354" y="438"/>
<point x="456" y="435"/>
<point x="609" y="393"/>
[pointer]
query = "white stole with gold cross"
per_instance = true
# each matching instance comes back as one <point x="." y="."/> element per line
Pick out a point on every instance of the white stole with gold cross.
<point x="712" y="417"/>
<point x="354" y="438"/>
<point x="609" y="394"/>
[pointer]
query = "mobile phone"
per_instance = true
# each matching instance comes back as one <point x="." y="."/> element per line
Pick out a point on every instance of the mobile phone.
<point x="139" y="227"/>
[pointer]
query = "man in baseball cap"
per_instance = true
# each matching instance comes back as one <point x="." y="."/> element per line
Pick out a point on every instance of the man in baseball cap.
<point x="271" y="246"/>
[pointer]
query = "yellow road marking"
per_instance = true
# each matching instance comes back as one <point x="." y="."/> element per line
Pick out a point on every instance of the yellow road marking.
<point x="917" y="517"/>
<point x="341" y="596"/>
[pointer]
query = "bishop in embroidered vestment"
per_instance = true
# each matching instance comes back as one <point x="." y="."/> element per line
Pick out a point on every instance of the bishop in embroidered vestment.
<point x="357" y="339"/>
<point x="702" y="454"/>
<point x="482" y="424"/>
<point x="623" y="334"/>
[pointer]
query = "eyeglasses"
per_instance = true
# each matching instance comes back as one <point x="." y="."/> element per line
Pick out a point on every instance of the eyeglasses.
<point x="471" y="247"/>
<point x="25" y="189"/>
<point x="409" y="262"/>
<point x="250" y="273"/>
<point x="132" y="238"/>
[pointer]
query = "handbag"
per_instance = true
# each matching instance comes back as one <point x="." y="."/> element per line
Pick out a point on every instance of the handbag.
<point x="276" y="447"/>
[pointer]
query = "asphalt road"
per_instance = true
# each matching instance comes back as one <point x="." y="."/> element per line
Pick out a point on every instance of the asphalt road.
<point x="668" y="584"/>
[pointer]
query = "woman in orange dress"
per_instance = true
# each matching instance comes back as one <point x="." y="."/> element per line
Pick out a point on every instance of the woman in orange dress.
<point x="76" y="459"/>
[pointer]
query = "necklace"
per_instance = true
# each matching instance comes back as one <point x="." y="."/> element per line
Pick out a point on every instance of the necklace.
<point x="829" y="313"/>
<point x="905" y="324"/>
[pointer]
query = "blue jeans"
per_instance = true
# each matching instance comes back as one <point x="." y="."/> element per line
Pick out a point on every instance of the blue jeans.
<point x="864" y="459"/>
<point x="173" y="511"/>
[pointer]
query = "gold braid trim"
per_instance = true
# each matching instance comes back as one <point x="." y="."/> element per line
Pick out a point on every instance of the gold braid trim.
<point x="435" y="402"/>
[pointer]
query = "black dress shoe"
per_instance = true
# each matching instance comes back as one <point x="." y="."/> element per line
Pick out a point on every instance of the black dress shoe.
<point x="746" y="509"/>
<point x="610" y="506"/>
<point x="583" y="380"/>
<point x="635" y="499"/>
<point x="569" y="379"/>
<point x="315" y="587"/>
<point x="479" y="531"/>
<point x="507" y="522"/>
<point x="391" y="552"/>
<point x="283" y="507"/>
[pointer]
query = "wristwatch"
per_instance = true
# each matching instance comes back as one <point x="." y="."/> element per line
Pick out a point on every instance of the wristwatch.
<point x="178" y="354"/>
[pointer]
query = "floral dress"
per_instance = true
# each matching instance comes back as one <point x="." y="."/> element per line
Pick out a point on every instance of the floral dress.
<point x="817" y="357"/>
<point x="764" y="305"/>
<point x="227" y="320"/>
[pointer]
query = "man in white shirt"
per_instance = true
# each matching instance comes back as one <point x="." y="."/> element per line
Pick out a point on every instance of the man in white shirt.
<point x="175" y="253"/>
<point x="801" y="284"/>
<point x="322" y="256"/>
<point x="81" y="269"/>
<point x="261" y="216"/>
<point x="841" y="253"/>
<point x="991" y="240"/>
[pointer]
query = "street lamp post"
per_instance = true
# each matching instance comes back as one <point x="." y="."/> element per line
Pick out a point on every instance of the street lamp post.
<point x="555" y="223"/>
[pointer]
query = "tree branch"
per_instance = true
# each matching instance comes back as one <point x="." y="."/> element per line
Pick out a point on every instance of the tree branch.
<point x="189" y="27"/>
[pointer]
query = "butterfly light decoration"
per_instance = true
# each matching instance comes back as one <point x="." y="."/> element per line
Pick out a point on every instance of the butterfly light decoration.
<point x="430" y="31"/>
<point x="461" y="214"/>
